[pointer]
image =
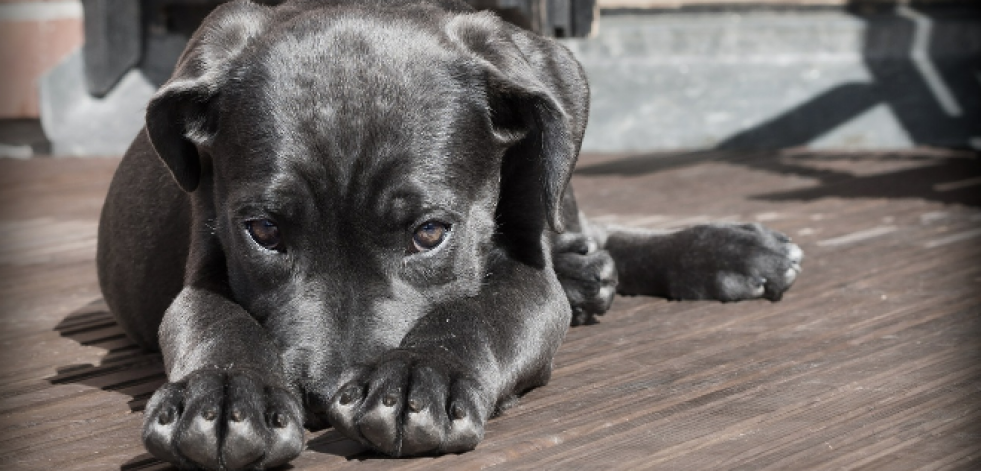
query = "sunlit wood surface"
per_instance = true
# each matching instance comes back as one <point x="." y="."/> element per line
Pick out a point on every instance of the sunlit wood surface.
<point x="873" y="360"/>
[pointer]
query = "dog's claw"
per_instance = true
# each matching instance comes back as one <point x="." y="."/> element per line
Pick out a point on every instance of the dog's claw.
<point x="279" y="420"/>
<point x="345" y="398"/>
<point x="458" y="412"/>
<point x="166" y="416"/>
<point x="390" y="400"/>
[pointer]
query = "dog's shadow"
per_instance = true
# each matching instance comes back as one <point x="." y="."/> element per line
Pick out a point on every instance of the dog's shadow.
<point x="126" y="368"/>
<point x="948" y="178"/>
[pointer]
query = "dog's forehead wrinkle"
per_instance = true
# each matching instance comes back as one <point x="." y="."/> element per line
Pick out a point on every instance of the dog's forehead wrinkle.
<point x="341" y="71"/>
<point x="380" y="181"/>
<point x="359" y="54"/>
<point x="323" y="139"/>
<point x="274" y="194"/>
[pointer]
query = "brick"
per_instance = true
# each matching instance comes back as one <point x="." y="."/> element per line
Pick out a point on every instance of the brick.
<point x="28" y="49"/>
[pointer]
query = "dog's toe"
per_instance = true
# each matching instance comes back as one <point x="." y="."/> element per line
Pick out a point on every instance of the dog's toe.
<point x="758" y="288"/>
<point x="163" y="414"/>
<point x="790" y="276"/>
<point x="794" y="253"/>
<point x="382" y="408"/>
<point x="423" y="428"/>
<point x="425" y="415"/>
<point x="466" y="427"/>
<point x="784" y="267"/>
<point x="736" y="286"/>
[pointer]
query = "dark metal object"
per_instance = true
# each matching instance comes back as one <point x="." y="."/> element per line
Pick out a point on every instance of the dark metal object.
<point x="555" y="18"/>
<point x="113" y="42"/>
<point x="122" y="34"/>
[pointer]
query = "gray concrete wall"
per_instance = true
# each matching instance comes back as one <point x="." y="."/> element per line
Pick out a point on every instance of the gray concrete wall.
<point x="817" y="78"/>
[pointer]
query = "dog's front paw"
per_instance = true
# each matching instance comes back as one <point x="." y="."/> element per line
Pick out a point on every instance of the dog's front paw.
<point x="224" y="420"/>
<point x="733" y="262"/>
<point x="409" y="404"/>
<point x="588" y="276"/>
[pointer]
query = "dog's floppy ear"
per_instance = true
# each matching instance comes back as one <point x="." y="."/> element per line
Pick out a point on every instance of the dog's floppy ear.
<point x="182" y="116"/>
<point x="538" y="99"/>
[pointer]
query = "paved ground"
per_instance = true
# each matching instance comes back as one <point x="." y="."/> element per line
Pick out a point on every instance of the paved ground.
<point x="872" y="361"/>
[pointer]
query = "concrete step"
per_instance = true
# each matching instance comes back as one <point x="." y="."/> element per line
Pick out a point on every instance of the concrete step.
<point x="886" y="78"/>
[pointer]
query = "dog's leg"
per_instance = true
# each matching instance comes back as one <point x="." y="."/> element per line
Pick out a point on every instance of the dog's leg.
<point x="144" y="217"/>
<point x="457" y="366"/>
<point x="724" y="262"/>
<point x="225" y="406"/>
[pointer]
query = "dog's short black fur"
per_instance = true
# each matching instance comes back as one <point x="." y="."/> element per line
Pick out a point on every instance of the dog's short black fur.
<point x="351" y="213"/>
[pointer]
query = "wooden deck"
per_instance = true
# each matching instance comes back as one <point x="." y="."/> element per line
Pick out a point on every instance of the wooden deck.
<point x="872" y="361"/>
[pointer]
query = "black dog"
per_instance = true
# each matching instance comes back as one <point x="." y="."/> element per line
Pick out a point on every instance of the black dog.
<point x="351" y="213"/>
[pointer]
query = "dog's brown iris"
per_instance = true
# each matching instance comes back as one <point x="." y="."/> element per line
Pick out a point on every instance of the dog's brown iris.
<point x="429" y="235"/>
<point x="264" y="232"/>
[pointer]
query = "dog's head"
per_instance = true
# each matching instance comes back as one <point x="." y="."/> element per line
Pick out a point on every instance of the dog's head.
<point x="353" y="169"/>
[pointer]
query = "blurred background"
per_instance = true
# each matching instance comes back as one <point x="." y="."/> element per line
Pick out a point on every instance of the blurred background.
<point x="666" y="75"/>
<point x="851" y="125"/>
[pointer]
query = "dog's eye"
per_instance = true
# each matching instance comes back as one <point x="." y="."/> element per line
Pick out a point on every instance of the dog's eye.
<point x="429" y="235"/>
<point x="264" y="232"/>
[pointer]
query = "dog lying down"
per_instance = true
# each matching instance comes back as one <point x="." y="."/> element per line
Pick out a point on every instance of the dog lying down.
<point x="355" y="214"/>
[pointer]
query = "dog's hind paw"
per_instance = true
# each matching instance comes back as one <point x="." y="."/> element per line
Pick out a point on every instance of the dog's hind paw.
<point x="227" y="420"/>
<point x="410" y="404"/>
<point x="729" y="262"/>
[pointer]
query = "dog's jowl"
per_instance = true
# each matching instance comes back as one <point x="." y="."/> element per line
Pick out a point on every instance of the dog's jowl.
<point x="355" y="214"/>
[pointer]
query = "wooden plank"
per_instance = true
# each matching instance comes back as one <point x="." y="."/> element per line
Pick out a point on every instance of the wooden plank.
<point x="870" y="361"/>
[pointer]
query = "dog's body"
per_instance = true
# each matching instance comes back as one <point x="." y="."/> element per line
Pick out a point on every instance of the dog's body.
<point x="351" y="212"/>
